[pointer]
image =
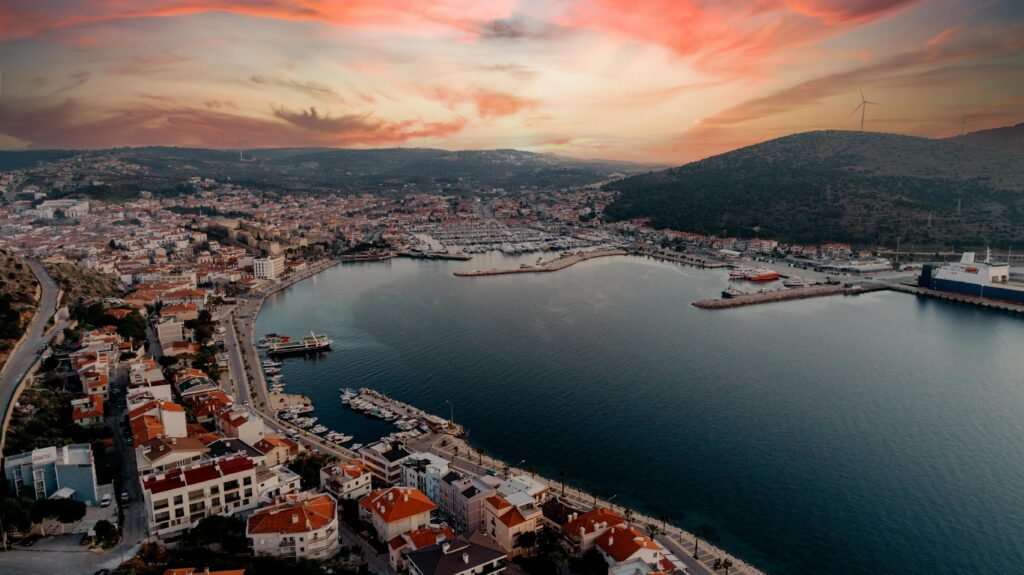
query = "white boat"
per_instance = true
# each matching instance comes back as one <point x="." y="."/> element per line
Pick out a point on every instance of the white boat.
<point x="797" y="281"/>
<point x="319" y="429"/>
<point x="356" y="446"/>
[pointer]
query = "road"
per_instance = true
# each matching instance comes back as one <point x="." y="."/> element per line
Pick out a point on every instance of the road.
<point x="63" y="554"/>
<point x="27" y="353"/>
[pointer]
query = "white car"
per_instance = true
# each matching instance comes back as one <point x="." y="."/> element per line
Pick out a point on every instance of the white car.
<point x="105" y="502"/>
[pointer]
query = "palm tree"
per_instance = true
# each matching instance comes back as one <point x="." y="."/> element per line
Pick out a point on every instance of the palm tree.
<point x="653" y="530"/>
<point x="726" y="564"/>
<point x="504" y="470"/>
<point x="629" y="515"/>
<point x="562" y="474"/>
<point x="705" y="532"/>
<point x="456" y="452"/>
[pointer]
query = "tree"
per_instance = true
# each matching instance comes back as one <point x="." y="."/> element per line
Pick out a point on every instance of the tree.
<point x="167" y="360"/>
<point x="50" y="364"/>
<point x="526" y="540"/>
<point x="705" y="532"/>
<point x="726" y="564"/>
<point x="562" y="474"/>
<point x="653" y="531"/>
<point x="106" y="533"/>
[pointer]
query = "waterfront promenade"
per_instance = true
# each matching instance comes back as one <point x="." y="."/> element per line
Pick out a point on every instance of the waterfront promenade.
<point x="680" y="542"/>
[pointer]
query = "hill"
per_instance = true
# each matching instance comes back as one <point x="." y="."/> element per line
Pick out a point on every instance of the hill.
<point x="1006" y="138"/>
<point x="859" y="187"/>
<point x="371" y="170"/>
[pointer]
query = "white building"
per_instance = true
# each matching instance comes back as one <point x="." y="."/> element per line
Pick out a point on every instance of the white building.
<point x="395" y="511"/>
<point x="268" y="268"/>
<point x="177" y="499"/>
<point x="424" y="472"/>
<point x="299" y="526"/>
<point x="349" y="480"/>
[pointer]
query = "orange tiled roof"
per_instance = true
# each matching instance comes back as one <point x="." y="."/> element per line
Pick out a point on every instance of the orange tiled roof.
<point x="397" y="503"/>
<point x="308" y="515"/>
<point x="621" y="543"/>
<point x="591" y="519"/>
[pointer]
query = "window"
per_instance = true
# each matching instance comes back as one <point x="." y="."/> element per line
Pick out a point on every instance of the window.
<point x="215" y="502"/>
<point x="179" y="512"/>
<point x="161" y="517"/>
<point x="248" y="492"/>
<point x="178" y="499"/>
<point x="159" y="504"/>
<point x="197" y="494"/>
<point x="233" y="484"/>
<point x="215" y="490"/>
<point x="247" y="481"/>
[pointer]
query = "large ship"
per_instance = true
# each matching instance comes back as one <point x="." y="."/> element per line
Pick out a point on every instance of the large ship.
<point x="983" y="279"/>
<point x="311" y="342"/>
<point x="759" y="274"/>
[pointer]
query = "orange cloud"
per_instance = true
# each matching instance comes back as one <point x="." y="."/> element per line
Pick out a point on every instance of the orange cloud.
<point x="726" y="35"/>
<point x="161" y="122"/>
<point x="488" y="103"/>
<point x="22" y="18"/>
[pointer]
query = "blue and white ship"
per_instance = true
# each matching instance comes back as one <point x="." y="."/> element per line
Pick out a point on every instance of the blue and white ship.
<point x="982" y="279"/>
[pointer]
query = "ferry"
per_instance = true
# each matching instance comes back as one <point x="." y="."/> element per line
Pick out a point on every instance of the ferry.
<point x="982" y="279"/>
<point x="312" y="342"/>
<point x="754" y="274"/>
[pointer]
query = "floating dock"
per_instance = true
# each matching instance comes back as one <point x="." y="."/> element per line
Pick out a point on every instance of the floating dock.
<point x="552" y="266"/>
<point x="786" y="295"/>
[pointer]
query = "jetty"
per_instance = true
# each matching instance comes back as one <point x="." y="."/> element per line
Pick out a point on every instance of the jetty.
<point x="681" y="258"/>
<point x="406" y="411"/>
<point x="552" y="266"/>
<point x="436" y="256"/>
<point x="786" y="295"/>
<point x="959" y="298"/>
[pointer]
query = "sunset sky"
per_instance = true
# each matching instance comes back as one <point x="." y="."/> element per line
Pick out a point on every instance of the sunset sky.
<point x="657" y="81"/>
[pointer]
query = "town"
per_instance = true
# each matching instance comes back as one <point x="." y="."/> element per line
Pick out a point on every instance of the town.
<point x="143" y="423"/>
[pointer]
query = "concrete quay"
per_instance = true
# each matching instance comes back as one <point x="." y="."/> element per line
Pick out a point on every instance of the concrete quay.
<point x="552" y="266"/>
<point x="685" y="259"/>
<point x="786" y="295"/>
<point x="959" y="298"/>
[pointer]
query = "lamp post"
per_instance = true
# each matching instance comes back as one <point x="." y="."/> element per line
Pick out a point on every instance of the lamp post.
<point x="451" y="418"/>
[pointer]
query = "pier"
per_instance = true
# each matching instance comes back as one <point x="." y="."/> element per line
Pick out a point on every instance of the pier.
<point x="406" y="411"/>
<point x="686" y="259"/>
<point x="552" y="266"/>
<point x="436" y="256"/>
<point x="960" y="298"/>
<point x="786" y="295"/>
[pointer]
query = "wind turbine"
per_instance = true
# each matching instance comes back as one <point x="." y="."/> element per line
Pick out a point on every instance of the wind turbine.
<point x="863" y="106"/>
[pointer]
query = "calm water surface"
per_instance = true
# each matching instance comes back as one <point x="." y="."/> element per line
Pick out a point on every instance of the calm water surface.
<point x="873" y="434"/>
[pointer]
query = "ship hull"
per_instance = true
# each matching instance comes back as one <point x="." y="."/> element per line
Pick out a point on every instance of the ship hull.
<point x="979" y="290"/>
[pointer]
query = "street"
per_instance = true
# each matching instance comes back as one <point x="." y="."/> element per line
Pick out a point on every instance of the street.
<point x="27" y="353"/>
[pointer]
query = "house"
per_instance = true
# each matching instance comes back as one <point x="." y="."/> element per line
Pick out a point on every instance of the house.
<point x="191" y="382"/>
<point x="424" y="472"/>
<point x="240" y="422"/>
<point x="42" y="472"/>
<point x="348" y="480"/>
<point x="298" y="526"/>
<point x="180" y="312"/>
<point x="506" y="519"/>
<point x="175" y="500"/>
<point x="233" y="446"/>
<point x="277" y="449"/>
<point x="384" y="460"/>
<point x="396" y="510"/>
<point x="409" y="541"/>
<point x="205" y="407"/>
<point x="87" y="411"/>
<point x="623" y="544"/>
<point x="156" y="418"/>
<point x="473" y="556"/>
<point x="462" y="499"/>
<point x="582" y="531"/>
<point x="165" y="453"/>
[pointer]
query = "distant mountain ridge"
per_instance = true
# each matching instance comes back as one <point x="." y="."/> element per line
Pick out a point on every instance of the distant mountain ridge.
<point x="381" y="170"/>
<point x="1005" y="138"/>
<point x="861" y="187"/>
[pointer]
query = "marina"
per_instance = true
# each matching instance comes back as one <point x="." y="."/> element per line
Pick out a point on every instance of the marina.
<point x="551" y="266"/>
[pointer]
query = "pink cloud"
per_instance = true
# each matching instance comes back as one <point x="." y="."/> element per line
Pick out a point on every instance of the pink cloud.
<point x="488" y="103"/>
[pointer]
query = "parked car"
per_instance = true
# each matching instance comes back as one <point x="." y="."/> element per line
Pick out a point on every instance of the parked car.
<point x="105" y="502"/>
<point x="124" y="497"/>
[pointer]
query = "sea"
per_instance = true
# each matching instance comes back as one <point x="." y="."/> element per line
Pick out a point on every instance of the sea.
<point x="877" y="433"/>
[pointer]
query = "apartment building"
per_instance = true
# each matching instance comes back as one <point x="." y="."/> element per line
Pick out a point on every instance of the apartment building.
<point x="177" y="499"/>
<point x="424" y="472"/>
<point x="384" y="459"/>
<point x="298" y="526"/>
<point x="348" y="480"/>
<point x="166" y="453"/>
<point x="42" y="472"/>
<point x="268" y="268"/>
<point x="396" y="510"/>
<point x="505" y="519"/>
<point x="462" y="498"/>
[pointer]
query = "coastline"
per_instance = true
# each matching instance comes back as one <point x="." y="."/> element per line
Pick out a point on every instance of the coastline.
<point x="675" y="539"/>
